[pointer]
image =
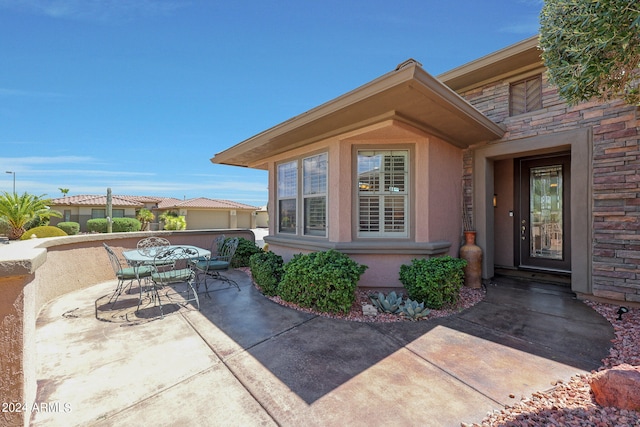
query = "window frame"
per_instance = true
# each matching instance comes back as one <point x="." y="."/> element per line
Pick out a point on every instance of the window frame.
<point x="383" y="196"/>
<point x="304" y="193"/>
<point x="317" y="190"/>
<point x="286" y="195"/>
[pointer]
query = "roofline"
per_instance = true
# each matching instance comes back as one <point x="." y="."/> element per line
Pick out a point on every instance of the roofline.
<point x="514" y="59"/>
<point x="404" y="77"/>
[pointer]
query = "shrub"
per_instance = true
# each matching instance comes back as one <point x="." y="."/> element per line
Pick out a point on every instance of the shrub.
<point x="43" y="231"/>
<point x="99" y="225"/>
<point x="434" y="281"/>
<point x="245" y="249"/>
<point x="125" y="225"/>
<point x="325" y="281"/>
<point x="69" y="227"/>
<point x="267" y="271"/>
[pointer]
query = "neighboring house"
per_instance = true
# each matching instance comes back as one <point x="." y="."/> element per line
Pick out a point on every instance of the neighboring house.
<point x="384" y="172"/>
<point x="203" y="213"/>
<point x="200" y="213"/>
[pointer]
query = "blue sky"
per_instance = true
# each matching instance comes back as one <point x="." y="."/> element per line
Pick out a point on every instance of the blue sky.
<point x="138" y="95"/>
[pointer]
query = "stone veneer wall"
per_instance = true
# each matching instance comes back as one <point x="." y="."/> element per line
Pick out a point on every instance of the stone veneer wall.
<point x="616" y="181"/>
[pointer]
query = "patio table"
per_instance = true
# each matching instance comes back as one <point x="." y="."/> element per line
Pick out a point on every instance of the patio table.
<point x="136" y="258"/>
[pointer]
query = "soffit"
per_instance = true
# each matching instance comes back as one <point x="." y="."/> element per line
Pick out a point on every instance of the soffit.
<point x="514" y="59"/>
<point x="408" y="94"/>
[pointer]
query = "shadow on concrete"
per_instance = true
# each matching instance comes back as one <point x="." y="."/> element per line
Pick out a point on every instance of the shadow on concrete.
<point x="314" y="355"/>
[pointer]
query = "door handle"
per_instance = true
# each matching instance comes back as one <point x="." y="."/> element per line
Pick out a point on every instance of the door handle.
<point x="523" y="230"/>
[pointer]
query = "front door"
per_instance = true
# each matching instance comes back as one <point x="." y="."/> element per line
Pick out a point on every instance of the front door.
<point x="543" y="221"/>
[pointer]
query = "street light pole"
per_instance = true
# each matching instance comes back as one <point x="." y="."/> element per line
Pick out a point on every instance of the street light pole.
<point x="14" y="181"/>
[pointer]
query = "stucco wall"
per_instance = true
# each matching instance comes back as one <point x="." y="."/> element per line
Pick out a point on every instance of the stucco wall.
<point x="33" y="272"/>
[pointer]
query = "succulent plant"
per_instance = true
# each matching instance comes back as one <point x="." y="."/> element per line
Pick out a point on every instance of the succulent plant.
<point x="389" y="304"/>
<point x="413" y="309"/>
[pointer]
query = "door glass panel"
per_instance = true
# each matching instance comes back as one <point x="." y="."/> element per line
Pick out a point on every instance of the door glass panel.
<point x="545" y="213"/>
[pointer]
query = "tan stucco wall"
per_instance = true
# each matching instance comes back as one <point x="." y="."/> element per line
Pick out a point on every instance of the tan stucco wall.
<point x="33" y="272"/>
<point x="434" y="203"/>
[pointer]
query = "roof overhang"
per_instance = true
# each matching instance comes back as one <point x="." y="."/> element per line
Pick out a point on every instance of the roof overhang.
<point x="408" y="94"/>
<point x="515" y="59"/>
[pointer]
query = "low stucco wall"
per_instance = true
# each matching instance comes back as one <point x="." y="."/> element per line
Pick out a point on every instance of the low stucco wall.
<point x="383" y="261"/>
<point x="34" y="272"/>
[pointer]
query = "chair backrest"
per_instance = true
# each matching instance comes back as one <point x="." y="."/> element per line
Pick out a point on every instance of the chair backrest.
<point x="150" y="246"/>
<point x="113" y="259"/>
<point x="171" y="265"/>
<point x="228" y="250"/>
<point x="217" y="244"/>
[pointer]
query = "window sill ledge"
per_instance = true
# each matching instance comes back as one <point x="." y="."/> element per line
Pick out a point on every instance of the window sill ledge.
<point x="374" y="246"/>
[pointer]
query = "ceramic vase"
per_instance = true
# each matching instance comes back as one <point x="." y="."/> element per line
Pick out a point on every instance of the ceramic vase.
<point x="473" y="255"/>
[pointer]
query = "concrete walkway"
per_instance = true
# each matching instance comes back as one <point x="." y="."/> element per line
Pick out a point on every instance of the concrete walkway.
<point x="243" y="360"/>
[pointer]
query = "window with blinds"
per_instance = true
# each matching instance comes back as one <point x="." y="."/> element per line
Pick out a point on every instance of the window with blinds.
<point x="525" y="96"/>
<point x="287" y="197"/>
<point x="383" y="193"/>
<point x="313" y="196"/>
<point x="314" y="178"/>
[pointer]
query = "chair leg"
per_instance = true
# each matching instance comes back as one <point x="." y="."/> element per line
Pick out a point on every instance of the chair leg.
<point x="119" y="290"/>
<point x="218" y="276"/>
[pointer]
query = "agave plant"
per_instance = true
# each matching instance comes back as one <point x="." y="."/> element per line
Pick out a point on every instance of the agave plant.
<point x="414" y="310"/>
<point x="389" y="304"/>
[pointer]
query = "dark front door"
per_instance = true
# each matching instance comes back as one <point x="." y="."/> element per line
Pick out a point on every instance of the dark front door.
<point x="543" y="220"/>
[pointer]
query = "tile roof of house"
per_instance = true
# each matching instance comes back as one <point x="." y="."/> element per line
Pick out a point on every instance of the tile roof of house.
<point x="96" y="200"/>
<point x="206" y="203"/>
<point x="139" y="201"/>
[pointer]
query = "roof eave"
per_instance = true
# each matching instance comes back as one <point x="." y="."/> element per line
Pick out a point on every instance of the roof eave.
<point x="497" y="65"/>
<point x="408" y="93"/>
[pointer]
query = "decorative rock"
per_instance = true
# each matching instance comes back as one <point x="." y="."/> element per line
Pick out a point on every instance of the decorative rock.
<point x="369" y="310"/>
<point x="618" y="387"/>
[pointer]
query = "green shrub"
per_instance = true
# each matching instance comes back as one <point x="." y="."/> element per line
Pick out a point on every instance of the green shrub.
<point x="97" y="225"/>
<point x="118" y="225"/>
<point x="43" y="231"/>
<point x="267" y="271"/>
<point x="125" y="225"/>
<point x="434" y="281"/>
<point x="69" y="227"/>
<point x="325" y="281"/>
<point x="245" y="249"/>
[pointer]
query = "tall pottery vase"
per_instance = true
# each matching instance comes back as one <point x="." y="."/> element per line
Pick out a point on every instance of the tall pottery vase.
<point x="473" y="255"/>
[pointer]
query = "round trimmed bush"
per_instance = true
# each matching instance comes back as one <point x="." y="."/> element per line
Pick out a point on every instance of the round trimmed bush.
<point x="434" y="281"/>
<point x="267" y="271"/>
<point x="43" y="231"/>
<point x="325" y="281"/>
<point x="245" y="249"/>
<point x="69" y="227"/>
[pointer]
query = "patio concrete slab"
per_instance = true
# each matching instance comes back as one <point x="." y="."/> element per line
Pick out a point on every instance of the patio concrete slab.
<point x="244" y="360"/>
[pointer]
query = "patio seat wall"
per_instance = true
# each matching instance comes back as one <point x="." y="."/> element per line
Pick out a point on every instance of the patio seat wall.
<point x="34" y="272"/>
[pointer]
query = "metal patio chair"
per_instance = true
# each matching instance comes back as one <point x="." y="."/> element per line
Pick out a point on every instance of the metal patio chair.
<point x="170" y="270"/>
<point x="124" y="274"/>
<point x="211" y="268"/>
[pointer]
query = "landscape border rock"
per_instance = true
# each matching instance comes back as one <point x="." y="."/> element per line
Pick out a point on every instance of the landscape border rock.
<point x="618" y="387"/>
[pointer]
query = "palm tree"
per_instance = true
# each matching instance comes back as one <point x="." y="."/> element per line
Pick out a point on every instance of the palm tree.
<point x="64" y="191"/>
<point x="145" y="216"/>
<point x="16" y="212"/>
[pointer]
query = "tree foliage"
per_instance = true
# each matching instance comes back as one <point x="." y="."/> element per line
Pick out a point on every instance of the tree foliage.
<point x="592" y="48"/>
<point x="145" y="216"/>
<point x="16" y="211"/>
